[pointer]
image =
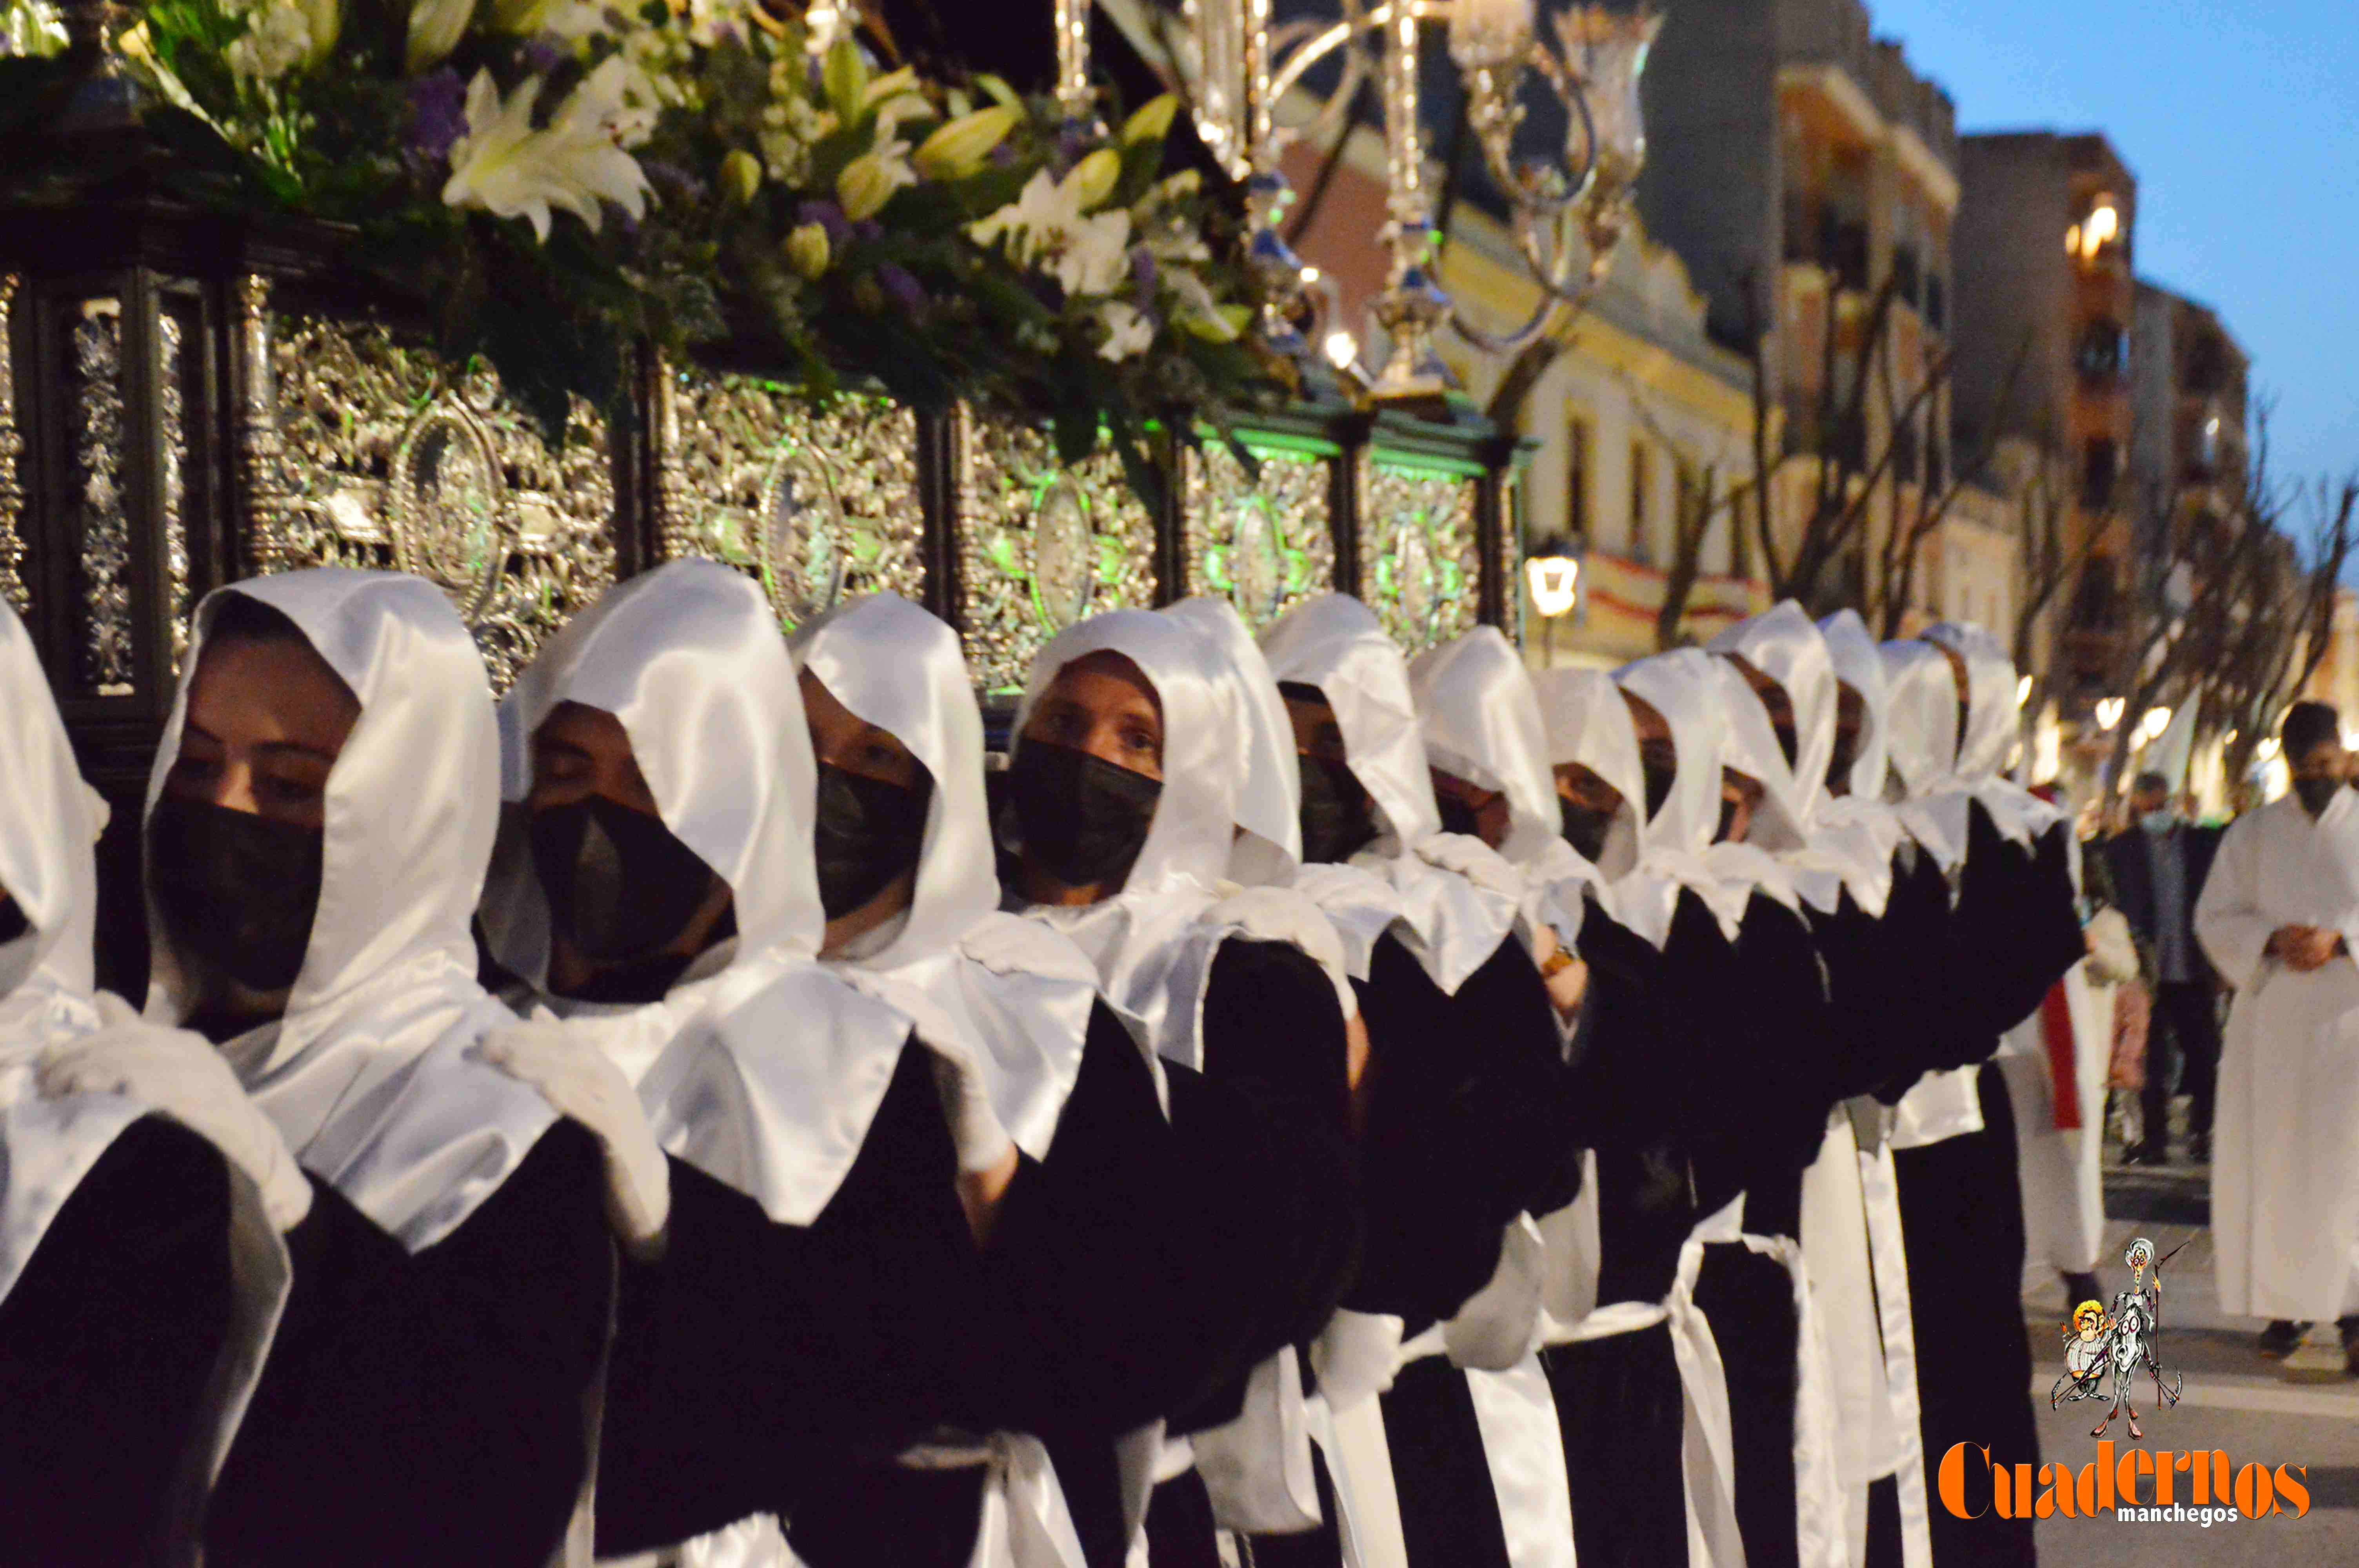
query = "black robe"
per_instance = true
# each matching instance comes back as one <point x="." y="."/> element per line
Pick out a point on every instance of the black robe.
<point x="2016" y="933"/>
<point x="429" y="1408"/>
<point x="107" y="1341"/>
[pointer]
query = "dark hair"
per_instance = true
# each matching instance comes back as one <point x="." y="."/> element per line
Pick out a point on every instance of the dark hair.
<point x="2150" y="783"/>
<point x="242" y="618"/>
<point x="2307" y="726"/>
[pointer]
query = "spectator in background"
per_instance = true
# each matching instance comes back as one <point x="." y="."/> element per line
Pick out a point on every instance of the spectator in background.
<point x="2157" y="866"/>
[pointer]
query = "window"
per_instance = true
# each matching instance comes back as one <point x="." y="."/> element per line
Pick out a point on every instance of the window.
<point x="1578" y="437"/>
<point x="2099" y="355"/>
<point x="2100" y="467"/>
<point x="1641" y="480"/>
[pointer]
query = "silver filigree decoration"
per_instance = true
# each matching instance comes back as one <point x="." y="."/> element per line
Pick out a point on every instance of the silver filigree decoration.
<point x="388" y="457"/>
<point x="1040" y="546"/>
<point x="1263" y="546"/>
<point x="818" y="504"/>
<point x="12" y="450"/>
<point x="1422" y="566"/>
<point x="175" y="460"/>
<point x="103" y="654"/>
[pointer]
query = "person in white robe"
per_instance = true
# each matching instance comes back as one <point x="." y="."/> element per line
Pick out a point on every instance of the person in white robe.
<point x="2279" y="920"/>
<point x="142" y="1198"/>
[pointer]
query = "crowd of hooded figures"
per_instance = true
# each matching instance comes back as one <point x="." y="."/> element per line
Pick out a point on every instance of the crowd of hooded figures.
<point x="1305" y="1105"/>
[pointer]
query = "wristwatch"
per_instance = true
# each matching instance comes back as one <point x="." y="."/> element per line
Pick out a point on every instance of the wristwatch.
<point x="1557" y="963"/>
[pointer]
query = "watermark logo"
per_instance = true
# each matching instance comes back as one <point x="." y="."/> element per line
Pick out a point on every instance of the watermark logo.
<point x="2117" y="1346"/>
<point x="2215" y="1491"/>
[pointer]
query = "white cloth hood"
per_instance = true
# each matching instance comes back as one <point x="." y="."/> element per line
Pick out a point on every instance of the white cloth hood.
<point x="1992" y="709"/>
<point x="1864" y="810"/>
<point x="1588" y="722"/>
<point x="1827" y="854"/>
<point x="994" y="992"/>
<point x="763" y="1070"/>
<point x="1481" y="722"/>
<point x="367" y="1073"/>
<point x="1269" y="797"/>
<point x="1921" y="740"/>
<point x="1451" y="924"/>
<point x="1153" y="943"/>
<point x="1677" y="849"/>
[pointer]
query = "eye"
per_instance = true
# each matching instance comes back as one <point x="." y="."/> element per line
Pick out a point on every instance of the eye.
<point x="192" y="773"/>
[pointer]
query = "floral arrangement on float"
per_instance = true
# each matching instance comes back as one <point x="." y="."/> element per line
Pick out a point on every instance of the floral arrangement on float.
<point x="552" y="181"/>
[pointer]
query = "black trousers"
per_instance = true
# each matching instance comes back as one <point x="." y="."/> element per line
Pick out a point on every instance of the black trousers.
<point x="1748" y="1298"/>
<point x="2190" y="1023"/>
<point x="1961" y="1215"/>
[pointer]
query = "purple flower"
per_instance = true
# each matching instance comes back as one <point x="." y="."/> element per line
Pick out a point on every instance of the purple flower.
<point x="438" y="114"/>
<point x="904" y="288"/>
<point x="868" y="231"/>
<point x="543" y="55"/>
<point x="1143" y="274"/>
<point x="827" y="216"/>
<point x="1067" y="150"/>
<point x="1002" y="157"/>
<point x="673" y="177"/>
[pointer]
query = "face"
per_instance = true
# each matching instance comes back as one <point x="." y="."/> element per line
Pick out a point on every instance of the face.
<point x="842" y="739"/>
<point x="1657" y="753"/>
<point x="1780" y="706"/>
<point x="2145" y="800"/>
<point x="1103" y="704"/>
<point x="265" y="724"/>
<point x="1966" y="689"/>
<point x="2327" y="760"/>
<point x="1740" y="797"/>
<point x="1851" y="723"/>
<point x="580" y="751"/>
<point x="1487" y="807"/>
<point x="1580" y="784"/>
<point x="1316" y="732"/>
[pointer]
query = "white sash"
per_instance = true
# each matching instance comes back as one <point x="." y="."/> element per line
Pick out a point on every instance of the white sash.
<point x="1524" y="1447"/>
<point x="1025" y="1522"/>
<point x="1888" y="1258"/>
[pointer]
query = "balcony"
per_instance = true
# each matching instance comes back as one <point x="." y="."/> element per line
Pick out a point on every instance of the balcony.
<point x="1815" y="235"/>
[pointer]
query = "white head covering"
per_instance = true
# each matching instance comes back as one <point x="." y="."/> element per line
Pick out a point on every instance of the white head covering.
<point x="1685" y="687"/>
<point x="1920" y="735"/>
<point x="1153" y="943"/>
<point x="45" y="865"/>
<point x="1589" y="723"/>
<point x="1991" y="733"/>
<point x="763" y="1070"/>
<point x="367" y="1073"/>
<point x="1851" y="653"/>
<point x="1449" y="922"/>
<point x="1269" y="799"/>
<point x="1481" y="722"/>
<point x="1826" y="855"/>
<point x="993" y="992"/>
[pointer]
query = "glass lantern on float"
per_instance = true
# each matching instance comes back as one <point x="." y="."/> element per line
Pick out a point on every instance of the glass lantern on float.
<point x="1552" y="577"/>
<point x="1236" y="64"/>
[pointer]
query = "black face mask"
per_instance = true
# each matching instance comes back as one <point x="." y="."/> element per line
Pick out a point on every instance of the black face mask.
<point x="2317" y="794"/>
<point x="1081" y="817"/>
<point x="620" y="887"/>
<point x="869" y="833"/>
<point x="12" y="923"/>
<point x="1840" y="765"/>
<point x="236" y="890"/>
<point x="1457" y="817"/>
<point x="1584" y="828"/>
<point x="1338" y="818"/>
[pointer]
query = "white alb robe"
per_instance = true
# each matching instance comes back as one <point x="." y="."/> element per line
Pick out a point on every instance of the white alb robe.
<point x="2284" y="1171"/>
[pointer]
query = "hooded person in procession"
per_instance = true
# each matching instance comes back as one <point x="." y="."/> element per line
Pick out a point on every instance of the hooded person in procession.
<point x="141" y="1198"/>
<point x="1640" y="1384"/>
<point x="2014" y="933"/>
<point x="1120" y="823"/>
<point x="826" y="1296"/>
<point x="319" y="813"/>
<point x="2279" y="919"/>
<point x="1765" y="1011"/>
<point x="1103" y="1277"/>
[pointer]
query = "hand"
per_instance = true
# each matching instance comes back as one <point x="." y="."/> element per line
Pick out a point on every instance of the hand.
<point x="1356" y="1356"/>
<point x="1474" y="860"/>
<point x="179" y="1075"/>
<point x="986" y="1154"/>
<point x="576" y="1077"/>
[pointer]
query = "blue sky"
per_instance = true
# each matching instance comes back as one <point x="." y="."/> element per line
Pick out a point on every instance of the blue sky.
<point x="2241" y="120"/>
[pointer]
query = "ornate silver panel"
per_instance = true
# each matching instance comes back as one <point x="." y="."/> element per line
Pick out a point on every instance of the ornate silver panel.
<point x="174" y="458"/>
<point x="12" y="450"/>
<point x="1040" y="547"/>
<point x="103" y="653"/>
<point x="816" y="503"/>
<point x="361" y="451"/>
<point x="1263" y="546"/>
<point x="1420" y="569"/>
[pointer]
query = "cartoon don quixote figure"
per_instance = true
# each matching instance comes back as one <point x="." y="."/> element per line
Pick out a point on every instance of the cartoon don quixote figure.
<point x="2121" y="1342"/>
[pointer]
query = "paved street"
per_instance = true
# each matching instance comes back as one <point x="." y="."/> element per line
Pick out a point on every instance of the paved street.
<point x="2233" y="1401"/>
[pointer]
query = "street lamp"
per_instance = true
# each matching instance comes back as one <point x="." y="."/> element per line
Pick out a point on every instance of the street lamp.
<point x="1552" y="572"/>
<point x="2109" y="711"/>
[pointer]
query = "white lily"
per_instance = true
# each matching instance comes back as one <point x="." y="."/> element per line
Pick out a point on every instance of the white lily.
<point x="1128" y="332"/>
<point x="277" y="38"/>
<point x="435" y="28"/>
<point x="1086" y="254"/>
<point x="507" y="168"/>
<point x="567" y="19"/>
